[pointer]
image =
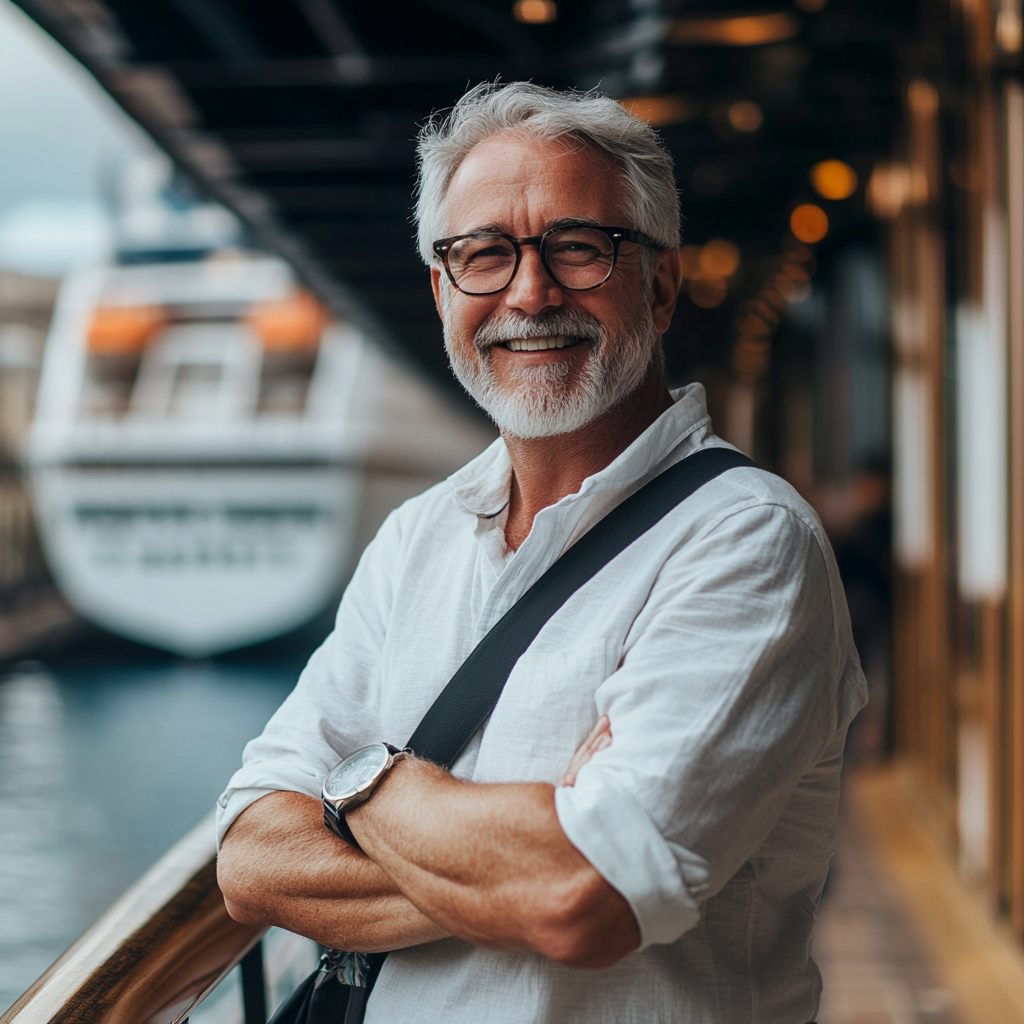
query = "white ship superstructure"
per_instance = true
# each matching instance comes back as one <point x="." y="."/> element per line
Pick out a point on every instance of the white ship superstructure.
<point x="194" y="454"/>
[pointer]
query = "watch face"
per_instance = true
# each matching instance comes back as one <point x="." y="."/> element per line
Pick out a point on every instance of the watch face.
<point x="356" y="772"/>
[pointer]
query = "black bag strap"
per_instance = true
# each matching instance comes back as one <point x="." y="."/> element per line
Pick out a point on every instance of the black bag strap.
<point x="471" y="694"/>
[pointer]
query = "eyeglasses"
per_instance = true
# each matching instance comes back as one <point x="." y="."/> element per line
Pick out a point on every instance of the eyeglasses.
<point x="578" y="257"/>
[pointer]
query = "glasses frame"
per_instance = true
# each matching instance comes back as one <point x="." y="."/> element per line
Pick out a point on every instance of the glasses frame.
<point x="616" y="236"/>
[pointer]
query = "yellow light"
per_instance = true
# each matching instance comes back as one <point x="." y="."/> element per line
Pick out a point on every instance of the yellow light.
<point x="293" y="323"/>
<point x="792" y="291"/>
<point x="123" y="330"/>
<point x="809" y="223"/>
<point x="659" y="110"/>
<point x="833" y="179"/>
<point x="745" y="116"/>
<point x="751" y="358"/>
<point x="534" y="12"/>
<point x="746" y="30"/>
<point x="689" y="260"/>
<point x="764" y="312"/>
<point x="708" y="292"/>
<point x="754" y="326"/>
<point x="719" y="258"/>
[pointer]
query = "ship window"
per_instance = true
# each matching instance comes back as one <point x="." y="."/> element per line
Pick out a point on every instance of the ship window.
<point x="109" y="380"/>
<point x="284" y="382"/>
<point x="195" y="392"/>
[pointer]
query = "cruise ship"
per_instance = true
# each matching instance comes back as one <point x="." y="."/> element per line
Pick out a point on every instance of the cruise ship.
<point x="195" y="449"/>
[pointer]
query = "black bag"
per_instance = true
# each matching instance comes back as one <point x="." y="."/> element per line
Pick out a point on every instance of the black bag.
<point x="337" y="991"/>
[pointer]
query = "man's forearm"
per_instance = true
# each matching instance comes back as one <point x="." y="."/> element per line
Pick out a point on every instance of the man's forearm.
<point x="278" y="865"/>
<point x="491" y="864"/>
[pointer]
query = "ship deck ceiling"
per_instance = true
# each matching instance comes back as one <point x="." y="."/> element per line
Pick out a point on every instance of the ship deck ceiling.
<point x="300" y="115"/>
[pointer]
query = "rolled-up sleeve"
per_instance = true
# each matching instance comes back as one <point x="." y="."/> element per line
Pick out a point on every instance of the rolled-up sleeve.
<point x="737" y="676"/>
<point x="333" y="707"/>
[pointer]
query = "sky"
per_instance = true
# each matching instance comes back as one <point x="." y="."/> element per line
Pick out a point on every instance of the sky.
<point x="59" y="135"/>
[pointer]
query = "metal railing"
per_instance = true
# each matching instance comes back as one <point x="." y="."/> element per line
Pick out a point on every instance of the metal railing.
<point x="155" y="954"/>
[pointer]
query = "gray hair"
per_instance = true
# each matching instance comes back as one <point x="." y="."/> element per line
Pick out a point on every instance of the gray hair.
<point x="489" y="108"/>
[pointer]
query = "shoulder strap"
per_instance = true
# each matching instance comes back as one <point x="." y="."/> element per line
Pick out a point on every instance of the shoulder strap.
<point x="464" y="704"/>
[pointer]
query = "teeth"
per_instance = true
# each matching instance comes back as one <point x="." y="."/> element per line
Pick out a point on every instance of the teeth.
<point x="538" y="344"/>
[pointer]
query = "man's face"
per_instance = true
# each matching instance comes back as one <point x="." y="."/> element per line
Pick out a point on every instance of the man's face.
<point x="606" y="338"/>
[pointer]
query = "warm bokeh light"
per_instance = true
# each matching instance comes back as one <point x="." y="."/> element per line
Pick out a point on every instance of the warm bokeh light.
<point x="923" y="98"/>
<point x="763" y="311"/>
<point x="796" y="272"/>
<point x="834" y="179"/>
<point x="1010" y="29"/>
<point x="708" y="292"/>
<point x="794" y="250"/>
<point x="296" y="322"/>
<point x="792" y="291"/>
<point x="121" y="330"/>
<point x="534" y="12"/>
<point x="754" y="326"/>
<point x="659" y="110"/>
<point x="745" y="116"/>
<point x="893" y="186"/>
<point x="689" y="260"/>
<point x="719" y="258"/>
<point x="811" y="6"/>
<point x="745" y="30"/>
<point x="809" y="223"/>
<point x="750" y="358"/>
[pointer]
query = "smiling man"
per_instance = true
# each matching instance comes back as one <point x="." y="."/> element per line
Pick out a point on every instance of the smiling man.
<point x="654" y="796"/>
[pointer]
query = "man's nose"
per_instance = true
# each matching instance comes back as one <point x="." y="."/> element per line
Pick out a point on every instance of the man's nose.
<point x="533" y="288"/>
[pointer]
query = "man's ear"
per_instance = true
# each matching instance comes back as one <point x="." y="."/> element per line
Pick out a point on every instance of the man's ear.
<point x="435" y="284"/>
<point x="665" y="285"/>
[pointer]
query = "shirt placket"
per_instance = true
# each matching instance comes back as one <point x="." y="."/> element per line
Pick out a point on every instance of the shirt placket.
<point x="551" y="529"/>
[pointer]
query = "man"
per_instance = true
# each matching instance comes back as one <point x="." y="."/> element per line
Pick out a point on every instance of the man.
<point x="704" y="679"/>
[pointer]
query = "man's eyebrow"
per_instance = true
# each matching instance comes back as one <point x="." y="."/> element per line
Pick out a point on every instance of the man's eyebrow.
<point x="574" y="222"/>
<point x="562" y="222"/>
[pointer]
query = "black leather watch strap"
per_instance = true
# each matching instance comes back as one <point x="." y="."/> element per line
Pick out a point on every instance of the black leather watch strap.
<point x="338" y="825"/>
<point x="336" y="822"/>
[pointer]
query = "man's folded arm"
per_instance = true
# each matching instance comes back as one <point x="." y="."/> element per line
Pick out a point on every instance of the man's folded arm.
<point x="279" y="865"/>
<point x="739" y="678"/>
<point x="491" y="864"/>
<point x="726" y="696"/>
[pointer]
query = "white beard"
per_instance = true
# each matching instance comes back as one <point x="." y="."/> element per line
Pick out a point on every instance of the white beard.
<point x="541" y="401"/>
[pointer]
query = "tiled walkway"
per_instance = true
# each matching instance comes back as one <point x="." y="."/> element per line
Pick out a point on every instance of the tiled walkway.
<point x="874" y="966"/>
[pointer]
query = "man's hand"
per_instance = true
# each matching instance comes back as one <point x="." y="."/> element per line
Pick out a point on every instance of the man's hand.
<point x="599" y="738"/>
<point x="491" y="864"/>
<point x="279" y="865"/>
<point x="487" y="863"/>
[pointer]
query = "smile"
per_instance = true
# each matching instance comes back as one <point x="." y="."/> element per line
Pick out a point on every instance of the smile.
<point x="541" y="344"/>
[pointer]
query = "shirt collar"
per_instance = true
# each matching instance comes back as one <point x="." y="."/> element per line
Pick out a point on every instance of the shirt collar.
<point x="482" y="486"/>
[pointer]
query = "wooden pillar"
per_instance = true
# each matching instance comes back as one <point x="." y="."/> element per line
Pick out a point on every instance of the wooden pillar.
<point x="1013" y="115"/>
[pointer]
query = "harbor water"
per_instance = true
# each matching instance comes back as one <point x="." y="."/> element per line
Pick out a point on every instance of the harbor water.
<point x="107" y="757"/>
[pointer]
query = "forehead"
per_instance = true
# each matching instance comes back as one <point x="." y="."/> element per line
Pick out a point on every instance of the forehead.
<point x="523" y="185"/>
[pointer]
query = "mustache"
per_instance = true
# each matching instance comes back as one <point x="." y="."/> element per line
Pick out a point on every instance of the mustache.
<point x="574" y="323"/>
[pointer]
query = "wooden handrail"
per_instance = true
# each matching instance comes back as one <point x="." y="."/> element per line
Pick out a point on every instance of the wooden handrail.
<point x="153" y="956"/>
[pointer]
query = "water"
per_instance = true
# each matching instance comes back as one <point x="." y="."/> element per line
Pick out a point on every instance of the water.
<point x="105" y="762"/>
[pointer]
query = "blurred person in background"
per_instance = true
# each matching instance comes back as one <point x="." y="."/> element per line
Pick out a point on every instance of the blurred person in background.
<point x="654" y="796"/>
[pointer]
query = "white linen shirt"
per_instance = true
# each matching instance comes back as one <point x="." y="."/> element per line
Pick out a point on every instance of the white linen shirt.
<point x="719" y="646"/>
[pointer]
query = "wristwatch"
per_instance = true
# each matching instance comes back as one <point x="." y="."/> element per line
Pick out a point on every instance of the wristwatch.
<point x="352" y="781"/>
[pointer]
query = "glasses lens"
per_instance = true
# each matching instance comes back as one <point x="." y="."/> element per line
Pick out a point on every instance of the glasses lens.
<point x="482" y="263"/>
<point x="579" y="257"/>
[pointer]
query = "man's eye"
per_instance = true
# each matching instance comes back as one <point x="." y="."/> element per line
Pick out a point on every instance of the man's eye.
<point x="491" y="252"/>
<point x="574" y="252"/>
